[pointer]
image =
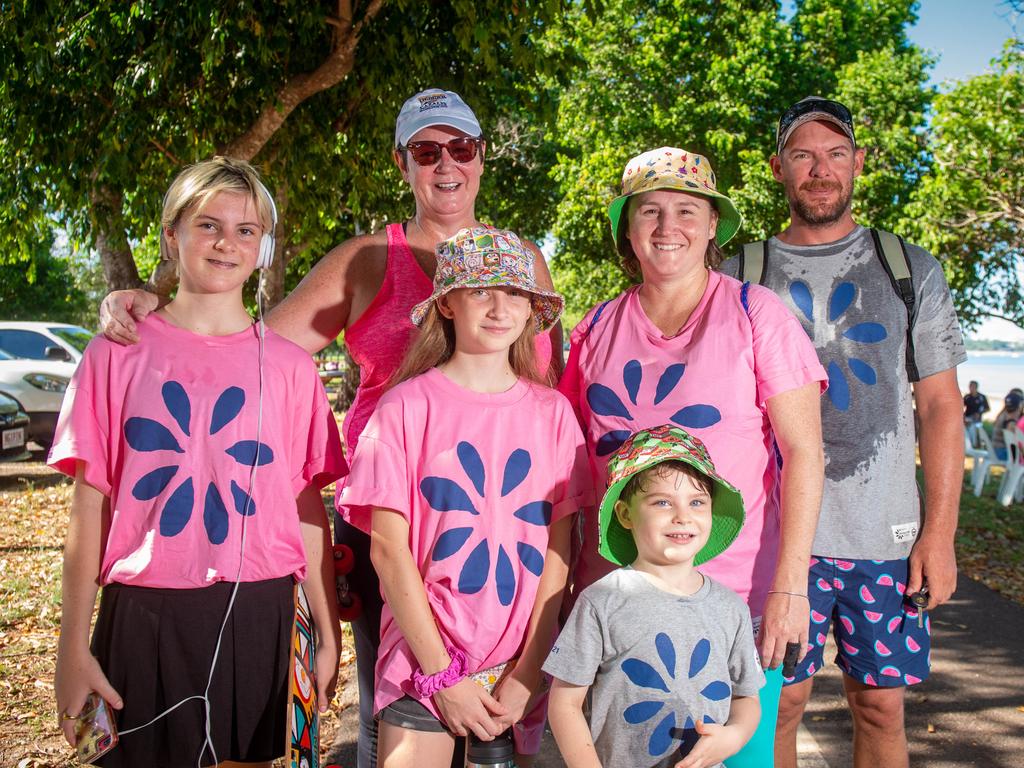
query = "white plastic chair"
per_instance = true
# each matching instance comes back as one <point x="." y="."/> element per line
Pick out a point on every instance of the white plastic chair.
<point x="984" y="464"/>
<point x="978" y="457"/>
<point x="1010" y="488"/>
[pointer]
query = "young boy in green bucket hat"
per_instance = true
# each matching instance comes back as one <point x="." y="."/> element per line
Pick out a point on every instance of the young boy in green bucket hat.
<point x="667" y="654"/>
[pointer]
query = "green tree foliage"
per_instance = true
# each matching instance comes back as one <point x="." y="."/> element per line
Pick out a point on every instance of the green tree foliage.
<point x="712" y="76"/>
<point x="43" y="286"/>
<point x="102" y="102"/>
<point x="970" y="208"/>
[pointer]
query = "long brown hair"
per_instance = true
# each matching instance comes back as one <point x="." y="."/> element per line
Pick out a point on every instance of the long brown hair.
<point x="435" y="345"/>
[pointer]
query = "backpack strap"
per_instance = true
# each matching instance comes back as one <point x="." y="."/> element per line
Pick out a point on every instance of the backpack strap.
<point x="596" y="317"/>
<point x="892" y="252"/>
<point x="753" y="262"/>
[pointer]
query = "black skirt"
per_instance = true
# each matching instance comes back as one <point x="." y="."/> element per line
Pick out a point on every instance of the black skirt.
<point x="156" y="647"/>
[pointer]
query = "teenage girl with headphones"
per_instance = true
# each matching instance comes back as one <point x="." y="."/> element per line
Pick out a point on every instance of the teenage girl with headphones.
<point x="197" y="505"/>
<point x="467" y="477"/>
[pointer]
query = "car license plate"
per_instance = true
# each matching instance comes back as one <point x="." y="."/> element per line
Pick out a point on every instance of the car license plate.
<point x="12" y="438"/>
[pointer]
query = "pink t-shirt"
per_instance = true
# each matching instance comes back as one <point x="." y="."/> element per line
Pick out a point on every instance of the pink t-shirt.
<point x="713" y="379"/>
<point x="167" y="429"/>
<point x="380" y="336"/>
<point x="479" y="478"/>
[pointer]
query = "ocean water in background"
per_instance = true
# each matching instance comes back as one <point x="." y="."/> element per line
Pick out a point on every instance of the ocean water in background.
<point x="996" y="373"/>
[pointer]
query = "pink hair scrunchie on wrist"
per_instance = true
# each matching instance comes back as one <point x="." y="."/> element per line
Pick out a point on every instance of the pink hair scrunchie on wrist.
<point x="427" y="685"/>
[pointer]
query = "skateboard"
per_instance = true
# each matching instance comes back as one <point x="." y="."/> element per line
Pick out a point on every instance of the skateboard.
<point x="304" y="740"/>
<point x="304" y="736"/>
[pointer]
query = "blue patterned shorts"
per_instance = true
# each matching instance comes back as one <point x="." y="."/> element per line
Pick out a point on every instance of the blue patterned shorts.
<point x="876" y="628"/>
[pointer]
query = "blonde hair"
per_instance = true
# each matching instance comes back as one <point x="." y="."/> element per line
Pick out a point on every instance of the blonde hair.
<point x="198" y="184"/>
<point x="435" y="345"/>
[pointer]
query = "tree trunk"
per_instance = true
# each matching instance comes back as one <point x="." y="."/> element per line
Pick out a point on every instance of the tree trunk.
<point x="111" y="241"/>
<point x="332" y="70"/>
<point x="273" y="278"/>
<point x="164" y="278"/>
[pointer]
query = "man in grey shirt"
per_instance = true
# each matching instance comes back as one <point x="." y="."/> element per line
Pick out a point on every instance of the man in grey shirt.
<point x="873" y="548"/>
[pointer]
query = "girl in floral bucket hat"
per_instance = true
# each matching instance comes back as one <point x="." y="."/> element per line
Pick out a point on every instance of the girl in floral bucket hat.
<point x="485" y="262"/>
<point x="467" y="477"/>
<point x="666" y="511"/>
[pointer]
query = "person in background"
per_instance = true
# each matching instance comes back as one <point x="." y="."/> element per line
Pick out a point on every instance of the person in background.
<point x="1005" y="420"/>
<point x="975" y="406"/>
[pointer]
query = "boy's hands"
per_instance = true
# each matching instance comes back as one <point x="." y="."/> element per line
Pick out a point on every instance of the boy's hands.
<point x="716" y="743"/>
<point x="466" y="707"/>
<point x="514" y="691"/>
<point x="78" y="675"/>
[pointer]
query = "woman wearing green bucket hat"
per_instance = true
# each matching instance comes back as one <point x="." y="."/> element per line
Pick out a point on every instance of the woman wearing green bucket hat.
<point x="725" y="361"/>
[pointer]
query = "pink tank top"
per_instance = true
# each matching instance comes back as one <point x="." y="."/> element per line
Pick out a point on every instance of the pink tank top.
<point x="378" y="339"/>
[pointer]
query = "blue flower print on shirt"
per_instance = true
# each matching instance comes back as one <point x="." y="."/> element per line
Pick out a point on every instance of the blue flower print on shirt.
<point x="148" y="435"/>
<point x="445" y="495"/>
<point x="604" y="401"/>
<point x="643" y="675"/>
<point x="864" y="333"/>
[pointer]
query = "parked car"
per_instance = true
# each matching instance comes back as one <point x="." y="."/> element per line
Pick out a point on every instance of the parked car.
<point x="13" y="430"/>
<point x="43" y="341"/>
<point x="38" y="385"/>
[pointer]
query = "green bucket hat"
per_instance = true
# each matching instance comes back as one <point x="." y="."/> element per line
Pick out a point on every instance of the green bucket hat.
<point x="673" y="168"/>
<point x="644" y="450"/>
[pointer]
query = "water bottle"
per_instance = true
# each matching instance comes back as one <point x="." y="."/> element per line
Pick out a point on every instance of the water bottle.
<point x="498" y="753"/>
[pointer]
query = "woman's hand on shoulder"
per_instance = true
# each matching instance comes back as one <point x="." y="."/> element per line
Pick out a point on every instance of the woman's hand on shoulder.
<point x="466" y="707"/>
<point x="121" y="309"/>
<point x="78" y="675"/>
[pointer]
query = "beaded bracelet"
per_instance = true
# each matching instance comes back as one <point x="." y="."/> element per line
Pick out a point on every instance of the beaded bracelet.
<point x="784" y="592"/>
<point x="427" y="685"/>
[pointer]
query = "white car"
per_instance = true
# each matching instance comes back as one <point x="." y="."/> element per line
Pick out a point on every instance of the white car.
<point x="43" y="341"/>
<point x="37" y="362"/>
<point x="38" y="385"/>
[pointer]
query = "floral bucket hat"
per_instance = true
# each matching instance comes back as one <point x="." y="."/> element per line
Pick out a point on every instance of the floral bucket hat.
<point x="481" y="257"/>
<point x="672" y="168"/>
<point x="646" y="449"/>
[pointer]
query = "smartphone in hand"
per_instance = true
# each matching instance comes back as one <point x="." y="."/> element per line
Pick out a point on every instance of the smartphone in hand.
<point x="96" y="733"/>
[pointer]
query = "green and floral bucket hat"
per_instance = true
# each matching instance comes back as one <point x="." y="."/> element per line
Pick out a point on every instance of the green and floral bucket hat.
<point x="646" y="449"/>
<point x="482" y="257"/>
<point x="674" y="168"/>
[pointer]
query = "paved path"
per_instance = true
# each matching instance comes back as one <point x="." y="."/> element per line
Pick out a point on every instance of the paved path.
<point x="970" y="713"/>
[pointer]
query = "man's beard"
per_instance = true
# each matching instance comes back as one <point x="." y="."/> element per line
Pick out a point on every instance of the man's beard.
<point x="821" y="213"/>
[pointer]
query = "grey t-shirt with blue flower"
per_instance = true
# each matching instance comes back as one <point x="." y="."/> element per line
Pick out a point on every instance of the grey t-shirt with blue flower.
<point x="844" y="299"/>
<point x="656" y="662"/>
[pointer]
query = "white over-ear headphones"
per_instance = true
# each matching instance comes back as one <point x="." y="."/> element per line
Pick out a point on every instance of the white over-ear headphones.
<point x="266" y="255"/>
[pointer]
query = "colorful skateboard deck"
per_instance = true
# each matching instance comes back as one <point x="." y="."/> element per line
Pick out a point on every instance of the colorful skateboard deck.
<point x="304" y="742"/>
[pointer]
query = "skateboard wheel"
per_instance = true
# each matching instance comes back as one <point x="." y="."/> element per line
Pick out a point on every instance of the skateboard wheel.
<point x="351" y="608"/>
<point x="343" y="559"/>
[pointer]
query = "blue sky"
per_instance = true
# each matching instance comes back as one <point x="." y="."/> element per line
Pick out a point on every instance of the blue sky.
<point x="966" y="35"/>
